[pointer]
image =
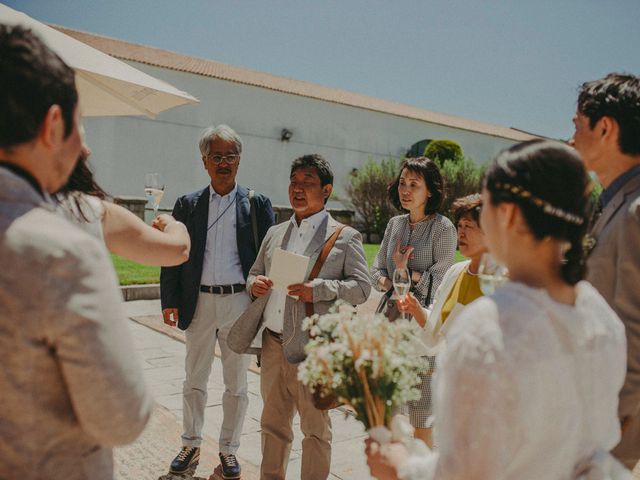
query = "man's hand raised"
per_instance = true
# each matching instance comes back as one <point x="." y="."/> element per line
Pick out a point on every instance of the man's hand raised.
<point x="261" y="286"/>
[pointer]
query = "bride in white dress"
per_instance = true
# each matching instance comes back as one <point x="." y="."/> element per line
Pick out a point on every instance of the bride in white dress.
<point x="527" y="388"/>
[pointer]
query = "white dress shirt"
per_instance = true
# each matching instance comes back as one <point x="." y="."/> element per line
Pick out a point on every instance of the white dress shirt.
<point x="221" y="264"/>
<point x="299" y="240"/>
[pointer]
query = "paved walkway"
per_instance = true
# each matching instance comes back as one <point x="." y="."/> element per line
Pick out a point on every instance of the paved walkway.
<point x="161" y="351"/>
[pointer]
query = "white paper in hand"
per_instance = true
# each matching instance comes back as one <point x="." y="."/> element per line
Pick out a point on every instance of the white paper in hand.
<point x="287" y="268"/>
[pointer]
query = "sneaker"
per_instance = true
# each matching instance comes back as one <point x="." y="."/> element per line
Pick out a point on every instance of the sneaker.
<point x="187" y="458"/>
<point x="230" y="466"/>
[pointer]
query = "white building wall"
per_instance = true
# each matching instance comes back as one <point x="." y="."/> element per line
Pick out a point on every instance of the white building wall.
<point x="125" y="148"/>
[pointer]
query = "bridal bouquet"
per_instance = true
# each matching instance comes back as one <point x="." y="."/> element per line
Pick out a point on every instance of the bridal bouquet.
<point x="364" y="360"/>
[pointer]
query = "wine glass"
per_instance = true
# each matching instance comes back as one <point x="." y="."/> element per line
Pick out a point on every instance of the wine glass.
<point x="153" y="190"/>
<point x="491" y="274"/>
<point x="401" y="284"/>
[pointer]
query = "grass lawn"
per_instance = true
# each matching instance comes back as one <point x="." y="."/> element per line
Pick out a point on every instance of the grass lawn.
<point x="131" y="273"/>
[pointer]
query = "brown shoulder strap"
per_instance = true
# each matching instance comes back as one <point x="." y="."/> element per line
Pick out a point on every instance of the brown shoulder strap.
<point x="326" y="249"/>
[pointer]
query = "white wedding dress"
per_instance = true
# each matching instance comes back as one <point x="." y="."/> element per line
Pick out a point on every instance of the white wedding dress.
<point x="527" y="389"/>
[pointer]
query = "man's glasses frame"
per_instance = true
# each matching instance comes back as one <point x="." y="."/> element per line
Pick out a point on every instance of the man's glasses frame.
<point x="230" y="158"/>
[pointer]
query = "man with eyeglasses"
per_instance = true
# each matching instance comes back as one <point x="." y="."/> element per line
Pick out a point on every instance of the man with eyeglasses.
<point x="206" y="294"/>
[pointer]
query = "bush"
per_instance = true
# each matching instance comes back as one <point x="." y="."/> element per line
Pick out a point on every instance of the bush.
<point x="367" y="191"/>
<point x="443" y="150"/>
<point x="462" y="177"/>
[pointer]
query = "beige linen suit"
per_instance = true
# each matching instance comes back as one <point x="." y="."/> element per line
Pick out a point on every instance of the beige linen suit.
<point x="70" y="385"/>
<point x="614" y="269"/>
<point x="344" y="276"/>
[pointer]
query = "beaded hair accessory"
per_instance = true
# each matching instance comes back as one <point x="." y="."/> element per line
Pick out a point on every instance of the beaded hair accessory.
<point x="546" y="207"/>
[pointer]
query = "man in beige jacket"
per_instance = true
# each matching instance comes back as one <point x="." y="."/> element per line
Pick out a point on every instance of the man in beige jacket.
<point x="343" y="276"/>
<point x="69" y="387"/>
<point x="607" y="135"/>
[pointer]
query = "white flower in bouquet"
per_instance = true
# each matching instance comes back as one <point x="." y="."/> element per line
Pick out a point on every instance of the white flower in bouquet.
<point x="364" y="360"/>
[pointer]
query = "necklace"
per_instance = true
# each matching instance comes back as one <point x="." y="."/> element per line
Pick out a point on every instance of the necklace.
<point x="413" y="224"/>
<point x="470" y="272"/>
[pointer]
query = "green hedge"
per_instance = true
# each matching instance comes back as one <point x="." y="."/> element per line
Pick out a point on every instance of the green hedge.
<point x="463" y="177"/>
<point x="443" y="150"/>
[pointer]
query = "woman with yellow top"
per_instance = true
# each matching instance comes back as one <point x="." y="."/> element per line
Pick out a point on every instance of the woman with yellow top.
<point x="459" y="287"/>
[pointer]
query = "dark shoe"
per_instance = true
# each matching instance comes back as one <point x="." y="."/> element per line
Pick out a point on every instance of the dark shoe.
<point x="187" y="458"/>
<point x="230" y="466"/>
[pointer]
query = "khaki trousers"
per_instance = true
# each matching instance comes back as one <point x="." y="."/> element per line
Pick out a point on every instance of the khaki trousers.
<point x="214" y="316"/>
<point x="284" y="395"/>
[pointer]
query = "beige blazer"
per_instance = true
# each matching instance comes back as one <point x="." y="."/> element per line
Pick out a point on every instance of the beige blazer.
<point x="614" y="269"/>
<point x="344" y="275"/>
<point x="70" y="384"/>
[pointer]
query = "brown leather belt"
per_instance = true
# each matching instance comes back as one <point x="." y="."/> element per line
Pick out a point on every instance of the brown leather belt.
<point x="277" y="336"/>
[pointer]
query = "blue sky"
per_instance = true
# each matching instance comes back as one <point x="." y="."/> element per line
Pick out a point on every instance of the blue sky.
<point x="514" y="63"/>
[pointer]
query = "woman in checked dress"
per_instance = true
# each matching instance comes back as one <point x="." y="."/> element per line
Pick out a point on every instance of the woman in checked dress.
<point x="423" y="241"/>
<point x="527" y="387"/>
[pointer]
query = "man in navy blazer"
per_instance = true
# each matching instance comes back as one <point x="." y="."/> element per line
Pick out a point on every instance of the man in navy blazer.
<point x="206" y="294"/>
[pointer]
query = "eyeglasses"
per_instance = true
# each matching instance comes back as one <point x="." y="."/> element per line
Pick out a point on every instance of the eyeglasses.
<point x="231" y="158"/>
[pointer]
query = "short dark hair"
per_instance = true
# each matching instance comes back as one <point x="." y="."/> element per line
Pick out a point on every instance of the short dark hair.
<point x="32" y="79"/>
<point x="470" y="205"/>
<point x="549" y="183"/>
<point x="317" y="162"/>
<point x="427" y="169"/>
<point x="617" y="96"/>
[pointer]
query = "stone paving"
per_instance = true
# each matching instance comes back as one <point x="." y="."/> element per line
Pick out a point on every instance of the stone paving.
<point x="162" y="357"/>
<point x="161" y="351"/>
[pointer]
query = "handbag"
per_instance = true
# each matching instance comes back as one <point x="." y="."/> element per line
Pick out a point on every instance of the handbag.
<point x="319" y="399"/>
<point x="388" y="307"/>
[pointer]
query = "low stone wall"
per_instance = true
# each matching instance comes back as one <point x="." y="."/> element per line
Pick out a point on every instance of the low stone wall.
<point x="150" y="291"/>
<point x="136" y="205"/>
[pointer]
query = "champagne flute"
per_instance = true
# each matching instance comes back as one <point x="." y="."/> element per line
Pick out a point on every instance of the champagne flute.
<point x="153" y="190"/>
<point x="401" y="284"/>
<point x="490" y="274"/>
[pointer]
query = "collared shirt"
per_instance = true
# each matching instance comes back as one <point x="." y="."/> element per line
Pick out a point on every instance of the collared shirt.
<point x="221" y="264"/>
<point x="617" y="184"/>
<point x="22" y="173"/>
<point x="299" y="240"/>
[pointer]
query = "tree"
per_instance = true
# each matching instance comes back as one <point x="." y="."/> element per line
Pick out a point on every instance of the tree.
<point x="367" y="190"/>
<point x="441" y="150"/>
<point x="462" y="177"/>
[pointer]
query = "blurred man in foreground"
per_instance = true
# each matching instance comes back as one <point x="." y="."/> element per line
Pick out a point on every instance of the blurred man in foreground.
<point x="70" y="388"/>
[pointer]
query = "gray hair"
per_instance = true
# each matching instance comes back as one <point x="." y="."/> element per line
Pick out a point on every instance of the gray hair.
<point x="222" y="132"/>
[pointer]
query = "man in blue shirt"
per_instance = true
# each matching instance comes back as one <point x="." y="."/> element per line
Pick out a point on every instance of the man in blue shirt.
<point x="205" y="295"/>
<point x="607" y="135"/>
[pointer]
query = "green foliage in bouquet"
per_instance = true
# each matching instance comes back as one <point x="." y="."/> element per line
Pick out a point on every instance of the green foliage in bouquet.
<point x="366" y="361"/>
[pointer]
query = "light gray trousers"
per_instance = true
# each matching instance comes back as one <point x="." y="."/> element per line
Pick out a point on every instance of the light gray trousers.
<point x="214" y="316"/>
